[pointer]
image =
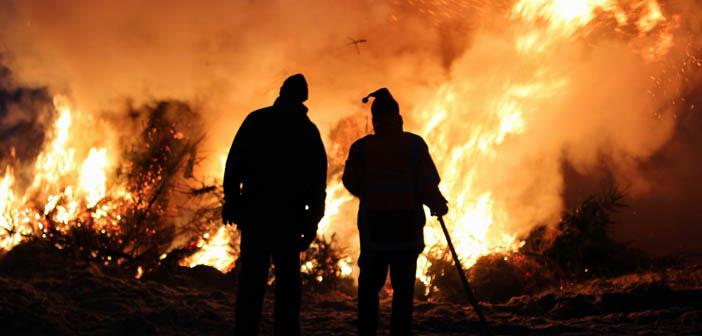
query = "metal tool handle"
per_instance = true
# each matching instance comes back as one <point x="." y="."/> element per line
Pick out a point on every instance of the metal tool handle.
<point x="464" y="280"/>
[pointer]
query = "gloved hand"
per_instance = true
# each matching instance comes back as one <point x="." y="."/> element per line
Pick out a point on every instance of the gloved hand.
<point x="231" y="213"/>
<point x="310" y="218"/>
<point x="440" y="209"/>
<point x="227" y="215"/>
<point x="437" y="203"/>
<point x="306" y="239"/>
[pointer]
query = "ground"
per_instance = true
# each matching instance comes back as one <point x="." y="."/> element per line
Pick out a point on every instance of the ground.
<point x="52" y="296"/>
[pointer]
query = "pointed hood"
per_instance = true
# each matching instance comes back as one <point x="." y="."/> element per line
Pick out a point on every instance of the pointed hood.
<point x="384" y="104"/>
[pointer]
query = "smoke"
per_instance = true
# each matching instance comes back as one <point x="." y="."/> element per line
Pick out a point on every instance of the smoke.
<point x="602" y="103"/>
<point x="229" y="55"/>
<point x="25" y="114"/>
<point x="590" y="100"/>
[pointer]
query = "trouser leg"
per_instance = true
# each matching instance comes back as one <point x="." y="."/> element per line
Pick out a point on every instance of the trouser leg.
<point x="288" y="290"/>
<point x="403" y="267"/>
<point x="253" y="275"/>
<point x="373" y="272"/>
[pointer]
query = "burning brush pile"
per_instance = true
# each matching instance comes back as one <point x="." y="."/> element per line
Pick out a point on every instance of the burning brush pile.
<point x="81" y="200"/>
<point x="121" y="190"/>
<point x="514" y="91"/>
<point x="135" y="207"/>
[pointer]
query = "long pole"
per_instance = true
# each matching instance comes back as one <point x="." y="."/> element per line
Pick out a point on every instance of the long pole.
<point x="466" y="285"/>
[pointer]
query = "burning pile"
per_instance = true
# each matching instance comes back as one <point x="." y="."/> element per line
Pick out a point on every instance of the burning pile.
<point x="484" y="190"/>
<point x="110" y="206"/>
<point x="534" y="89"/>
<point x="498" y="129"/>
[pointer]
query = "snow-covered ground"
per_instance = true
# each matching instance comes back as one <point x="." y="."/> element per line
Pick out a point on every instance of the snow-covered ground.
<point x="53" y="296"/>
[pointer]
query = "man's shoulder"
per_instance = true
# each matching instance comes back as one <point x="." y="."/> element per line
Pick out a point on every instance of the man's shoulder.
<point x="311" y="125"/>
<point x="360" y="143"/>
<point x="414" y="138"/>
<point x="259" y="113"/>
<point x="362" y="140"/>
<point x="257" y="116"/>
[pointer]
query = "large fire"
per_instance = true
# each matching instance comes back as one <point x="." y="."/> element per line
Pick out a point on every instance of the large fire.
<point x="474" y="124"/>
<point x="467" y="126"/>
<point x="63" y="186"/>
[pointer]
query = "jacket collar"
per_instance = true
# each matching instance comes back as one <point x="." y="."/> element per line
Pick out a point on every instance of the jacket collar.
<point x="289" y="106"/>
<point x="388" y="125"/>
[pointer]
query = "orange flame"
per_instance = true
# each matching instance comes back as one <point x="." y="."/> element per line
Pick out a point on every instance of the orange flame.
<point x="477" y="118"/>
<point x="58" y="184"/>
<point x="477" y="121"/>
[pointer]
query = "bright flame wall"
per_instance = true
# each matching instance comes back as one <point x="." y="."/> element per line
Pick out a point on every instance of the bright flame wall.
<point x="502" y="93"/>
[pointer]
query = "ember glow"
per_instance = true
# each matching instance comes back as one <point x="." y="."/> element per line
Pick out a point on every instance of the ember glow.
<point x="527" y="86"/>
<point x="64" y="187"/>
<point x="474" y="122"/>
<point x="214" y="251"/>
<point x="471" y="120"/>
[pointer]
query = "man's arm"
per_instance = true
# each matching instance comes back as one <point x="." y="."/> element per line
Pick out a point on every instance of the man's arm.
<point x="352" y="170"/>
<point x="233" y="172"/>
<point x="319" y="182"/>
<point x="316" y="193"/>
<point x="429" y="182"/>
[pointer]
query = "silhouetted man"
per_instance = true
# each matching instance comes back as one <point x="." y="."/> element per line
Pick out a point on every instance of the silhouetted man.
<point x="392" y="174"/>
<point x="274" y="188"/>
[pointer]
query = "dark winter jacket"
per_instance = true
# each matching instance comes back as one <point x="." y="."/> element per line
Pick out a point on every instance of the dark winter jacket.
<point x="392" y="174"/>
<point x="277" y="168"/>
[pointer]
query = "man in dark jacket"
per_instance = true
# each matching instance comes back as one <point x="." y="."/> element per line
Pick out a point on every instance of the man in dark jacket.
<point x="393" y="175"/>
<point x="274" y="190"/>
